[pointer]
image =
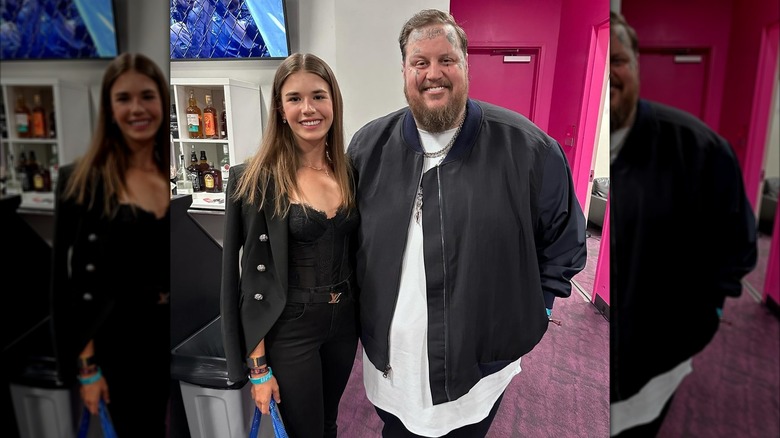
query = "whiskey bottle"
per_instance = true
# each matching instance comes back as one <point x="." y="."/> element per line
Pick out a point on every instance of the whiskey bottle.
<point x="209" y="119"/>
<point x="203" y="166"/>
<point x="193" y="172"/>
<point x="41" y="179"/>
<point x="224" y="166"/>
<point x="21" y="172"/>
<point x="194" y="118"/>
<point x="22" y="118"/>
<point x="38" y="118"/>
<point x="223" y="121"/>
<point x="212" y="179"/>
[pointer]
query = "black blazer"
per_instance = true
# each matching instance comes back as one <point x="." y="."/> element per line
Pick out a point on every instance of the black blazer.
<point x="81" y="300"/>
<point x="253" y="297"/>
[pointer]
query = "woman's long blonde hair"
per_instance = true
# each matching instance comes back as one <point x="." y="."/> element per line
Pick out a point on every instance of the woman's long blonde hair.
<point x="277" y="158"/>
<point x="107" y="159"/>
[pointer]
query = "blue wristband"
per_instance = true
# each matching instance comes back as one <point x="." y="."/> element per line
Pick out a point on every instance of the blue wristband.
<point x="91" y="379"/>
<point x="720" y="312"/>
<point x="549" y="312"/>
<point x="263" y="379"/>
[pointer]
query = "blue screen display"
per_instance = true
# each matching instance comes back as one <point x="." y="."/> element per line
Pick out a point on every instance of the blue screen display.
<point x="57" y="29"/>
<point x="224" y="29"/>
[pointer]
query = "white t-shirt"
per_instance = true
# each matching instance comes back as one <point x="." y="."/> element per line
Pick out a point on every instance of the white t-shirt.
<point x="406" y="392"/>
<point x="645" y="406"/>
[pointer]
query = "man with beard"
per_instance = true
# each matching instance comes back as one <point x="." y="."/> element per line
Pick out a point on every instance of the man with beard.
<point x="678" y="211"/>
<point x="469" y="229"/>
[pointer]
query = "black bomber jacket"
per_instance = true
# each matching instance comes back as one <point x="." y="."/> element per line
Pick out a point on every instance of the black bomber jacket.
<point x="503" y="235"/>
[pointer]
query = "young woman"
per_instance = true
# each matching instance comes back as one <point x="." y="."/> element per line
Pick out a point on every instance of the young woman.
<point x="111" y="254"/>
<point x="288" y="306"/>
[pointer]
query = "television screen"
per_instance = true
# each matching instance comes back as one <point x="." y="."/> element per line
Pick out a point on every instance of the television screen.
<point x="57" y="29"/>
<point x="229" y="29"/>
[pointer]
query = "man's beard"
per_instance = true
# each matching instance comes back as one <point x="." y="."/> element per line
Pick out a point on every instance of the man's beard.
<point x="441" y="118"/>
<point x="620" y="113"/>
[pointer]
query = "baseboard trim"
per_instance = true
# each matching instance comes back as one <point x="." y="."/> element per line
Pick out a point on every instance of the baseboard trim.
<point x="602" y="307"/>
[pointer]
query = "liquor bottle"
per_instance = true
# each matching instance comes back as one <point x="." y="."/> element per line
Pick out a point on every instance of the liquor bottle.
<point x="3" y="129"/>
<point x="203" y="166"/>
<point x="212" y="179"/>
<point x="12" y="186"/>
<point x="38" y="118"/>
<point x="21" y="172"/>
<point x="209" y="119"/>
<point x="22" y="118"/>
<point x="174" y="122"/>
<point x="54" y="166"/>
<point x="223" y="121"/>
<point x="224" y="166"/>
<point x="194" y="118"/>
<point x="183" y="183"/>
<point x="193" y="172"/>
<point x="52" y="125"/>
<point x="41" y="179"/>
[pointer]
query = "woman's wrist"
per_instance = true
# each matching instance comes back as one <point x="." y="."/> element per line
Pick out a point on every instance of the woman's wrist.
<point x="266" y="376"/>
<point x="89" y="379"/>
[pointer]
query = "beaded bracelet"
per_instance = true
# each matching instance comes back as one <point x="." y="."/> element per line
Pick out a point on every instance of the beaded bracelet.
<point x="258" y="371"/>
<point x="260" y="380"/>
<point x="91" y="379"/>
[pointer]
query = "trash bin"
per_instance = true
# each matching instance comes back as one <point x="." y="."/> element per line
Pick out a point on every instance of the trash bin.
<point x="214" y="406"/>
<point x="43" y="405"/>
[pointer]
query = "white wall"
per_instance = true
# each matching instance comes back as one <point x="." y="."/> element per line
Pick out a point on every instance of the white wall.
<point x="357" y="38"/>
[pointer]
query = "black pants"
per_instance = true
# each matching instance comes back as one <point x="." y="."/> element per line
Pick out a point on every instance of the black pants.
<point x="311" y="349"/>
<point x="139" y="389"/>
<point x="648" y="430"/>
<point x="393" y="427"/>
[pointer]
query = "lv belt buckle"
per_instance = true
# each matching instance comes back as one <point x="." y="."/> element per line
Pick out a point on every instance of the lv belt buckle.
<point x="334" y="297"/>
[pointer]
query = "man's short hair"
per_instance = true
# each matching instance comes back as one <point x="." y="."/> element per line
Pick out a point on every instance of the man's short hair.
<point x="428" y="17"/>
<point x="616" y="19"/>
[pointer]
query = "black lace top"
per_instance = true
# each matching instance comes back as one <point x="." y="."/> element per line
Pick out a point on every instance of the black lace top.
<point x="319" y="246"/>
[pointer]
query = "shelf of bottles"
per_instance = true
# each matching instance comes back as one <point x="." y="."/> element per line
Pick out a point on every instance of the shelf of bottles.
<point x="215" y="123"/>
<point x="45" y="123"/>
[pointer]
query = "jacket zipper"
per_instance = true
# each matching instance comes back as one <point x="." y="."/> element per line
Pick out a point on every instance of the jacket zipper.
<point x="444" y="288"/>
<point x="387" y="367"/>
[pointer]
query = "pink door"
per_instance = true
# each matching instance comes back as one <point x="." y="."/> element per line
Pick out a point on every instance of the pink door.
<point x="675" y="77"/>
<point x="504" y="77"/>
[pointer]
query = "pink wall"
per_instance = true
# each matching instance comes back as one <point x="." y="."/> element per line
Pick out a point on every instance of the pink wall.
<point x="688" y="24"/>
<point x="772" y="283"/>
<point x="578" y="18"/>
<point x="516" y="23"/>
<point x="747" y="25"/>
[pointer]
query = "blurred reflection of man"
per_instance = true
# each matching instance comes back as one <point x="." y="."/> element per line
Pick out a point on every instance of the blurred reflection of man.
<point x="683" y="236"/>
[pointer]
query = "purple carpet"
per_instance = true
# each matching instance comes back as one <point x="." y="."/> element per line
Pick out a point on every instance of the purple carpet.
<point x="734" y="389"/>
<point x="563" y="390"/>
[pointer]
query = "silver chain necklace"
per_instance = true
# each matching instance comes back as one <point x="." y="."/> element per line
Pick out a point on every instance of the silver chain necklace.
<point x="418" y="199"/>
<point x="447" y="148"/>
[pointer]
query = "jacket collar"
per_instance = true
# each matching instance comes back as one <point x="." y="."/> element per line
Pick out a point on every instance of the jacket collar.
<point x="643" y="131"/>
<point x="465" y="140"/>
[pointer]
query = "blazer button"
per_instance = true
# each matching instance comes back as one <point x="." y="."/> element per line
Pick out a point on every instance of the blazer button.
<point x="87" y="296"/>
<point x="264" y="237"/>
<point x="90" y="267"/>
<point x="261" y="268"/>
<point x="259" y="297"/>
<point x="92" y="237"/>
